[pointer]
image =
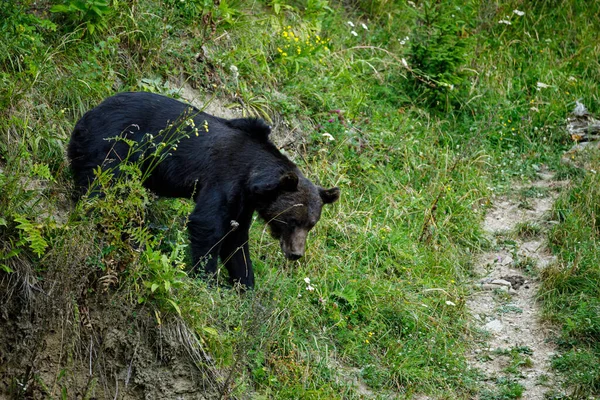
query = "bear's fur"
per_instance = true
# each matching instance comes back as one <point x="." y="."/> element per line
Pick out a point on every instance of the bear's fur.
<point x="230" y="168"/>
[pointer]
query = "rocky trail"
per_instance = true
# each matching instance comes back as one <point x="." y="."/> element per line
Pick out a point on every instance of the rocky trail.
<point x="514" y="350"/>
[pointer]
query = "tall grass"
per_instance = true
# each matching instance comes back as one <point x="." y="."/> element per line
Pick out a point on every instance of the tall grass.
<point x="418" y="112"/>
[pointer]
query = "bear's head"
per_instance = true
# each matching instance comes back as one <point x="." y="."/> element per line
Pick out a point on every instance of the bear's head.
<point x="293" y="210"/>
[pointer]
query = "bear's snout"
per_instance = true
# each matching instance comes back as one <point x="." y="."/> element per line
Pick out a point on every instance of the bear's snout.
<point x="294" y="245"/>
<point x="293" y="257"/>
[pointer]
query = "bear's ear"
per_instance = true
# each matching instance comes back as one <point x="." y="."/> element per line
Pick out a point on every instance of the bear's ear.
<point x="269" y="183"/>
<point x="329" y="195"/>
<point x="253" y="126"/>
<point x="288" y="181"/>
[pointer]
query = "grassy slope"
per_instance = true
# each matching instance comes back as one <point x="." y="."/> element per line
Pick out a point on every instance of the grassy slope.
<point x="416" y="166"/>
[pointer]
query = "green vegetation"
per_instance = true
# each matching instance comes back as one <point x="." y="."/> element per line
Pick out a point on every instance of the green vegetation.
<point x="571" y="292"/>
<point x="418" y="111"/>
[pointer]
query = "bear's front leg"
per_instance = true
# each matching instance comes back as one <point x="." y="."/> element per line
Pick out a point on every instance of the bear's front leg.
<point x="206" y="227"/>
<point x="235" y="254"/>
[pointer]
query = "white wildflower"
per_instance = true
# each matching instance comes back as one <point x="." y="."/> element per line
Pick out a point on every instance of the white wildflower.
<point x="351" y="24"/>
<point x="448" y="302"/>
<point x="234" y="71"/>
<point x="504" y="21"/>
<point x="307" y="280"/>
<point x="519" y="13"/>
<point x="404" y="63"/>
<point x="354" y="33"/>
<point x="541" y="85"/>
<point x="328" y="136"/>
<point x="310" y="288"/>
<point x="364" y="26"/>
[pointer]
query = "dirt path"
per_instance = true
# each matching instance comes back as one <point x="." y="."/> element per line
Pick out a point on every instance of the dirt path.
<point x="514" y="354"/>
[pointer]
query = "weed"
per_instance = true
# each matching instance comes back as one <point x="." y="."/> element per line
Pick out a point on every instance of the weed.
<point x="92" y="13"/>
<point x="508" y="308"/>
<point x="527" y="230"/>
<point x="508" y="390"/>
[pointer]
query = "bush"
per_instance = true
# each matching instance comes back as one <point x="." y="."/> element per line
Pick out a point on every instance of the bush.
<point x="440" y="47"/>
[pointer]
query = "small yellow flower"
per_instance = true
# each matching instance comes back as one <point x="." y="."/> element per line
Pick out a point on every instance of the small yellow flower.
<point x="279" y="50"/>
<point x="367" y="341"/>
<point x="284" y="54"/>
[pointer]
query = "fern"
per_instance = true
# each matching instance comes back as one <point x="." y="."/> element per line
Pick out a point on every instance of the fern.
<point x="33" y="234"/>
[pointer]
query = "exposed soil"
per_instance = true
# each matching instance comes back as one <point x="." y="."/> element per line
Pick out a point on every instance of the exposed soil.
<point x="517" y="347"/>
<point x="67" y="338"/>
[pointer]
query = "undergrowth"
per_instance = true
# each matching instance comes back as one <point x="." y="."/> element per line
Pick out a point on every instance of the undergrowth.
<point x="418" y="111"/>
<point x="571" y="293"/>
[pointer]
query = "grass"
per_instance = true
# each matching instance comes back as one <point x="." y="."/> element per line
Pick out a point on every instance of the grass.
<point x="424" y="131"/>
<point x="570" y="292"/>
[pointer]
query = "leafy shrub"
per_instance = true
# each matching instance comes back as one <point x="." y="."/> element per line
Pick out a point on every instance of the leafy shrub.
<point x="92" y="13"/>
<point x="22" y="43"/>
<point x="440" y="47"/>
<point x="300" y="49"/>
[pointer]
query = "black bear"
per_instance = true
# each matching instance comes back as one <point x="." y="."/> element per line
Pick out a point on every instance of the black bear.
<point x="230" y="168"/>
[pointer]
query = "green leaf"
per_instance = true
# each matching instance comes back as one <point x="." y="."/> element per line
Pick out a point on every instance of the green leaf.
<point x="33" y="235"/>
<point x="60" y="8"/>
<point x="175" y="306"/>
<point x="167" y="286"/>
<point x="210" y="331"/>
<point x="154" y="287"/>
<point x="347" y="294"/>
<point x="6" y="268"/>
